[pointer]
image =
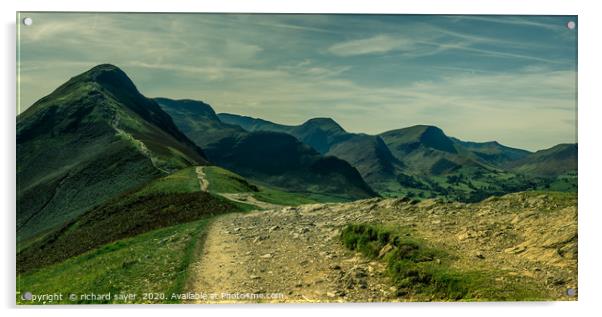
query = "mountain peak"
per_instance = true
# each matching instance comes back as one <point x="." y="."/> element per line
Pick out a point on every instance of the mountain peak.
<point x="104" y="68"/>
<point x="414" y="133"/>
<point x="435" y="138"/>
<point x="425" y="128"/>
<point x="108" y="76"/>
<point x="324" y="123"/>
<point x="428" y="135"/>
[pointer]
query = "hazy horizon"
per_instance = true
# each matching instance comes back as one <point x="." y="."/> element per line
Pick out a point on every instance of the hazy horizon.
<point x="511" y="79"/>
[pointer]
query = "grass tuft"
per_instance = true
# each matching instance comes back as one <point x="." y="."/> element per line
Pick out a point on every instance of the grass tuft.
<point x="422" y="272"/>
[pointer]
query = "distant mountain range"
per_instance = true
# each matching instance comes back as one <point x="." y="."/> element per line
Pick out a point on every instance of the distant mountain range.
<point x="271" y="157"/>
<point x="422" y="159"/>
<point x="367" y="153"/>
<point x="96" y="138"/>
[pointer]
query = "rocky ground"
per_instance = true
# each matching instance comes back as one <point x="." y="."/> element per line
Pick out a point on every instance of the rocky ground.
<point x="293" y="254"/>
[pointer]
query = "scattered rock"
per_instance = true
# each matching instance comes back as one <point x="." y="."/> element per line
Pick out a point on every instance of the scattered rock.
<point x="516" y="250"/>
<point x="385" y="250"/>
<point x="335" y="267"/>
<point x="463" y="235"/>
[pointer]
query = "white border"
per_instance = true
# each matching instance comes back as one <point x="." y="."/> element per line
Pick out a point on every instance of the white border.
<point x="590" y="147"/>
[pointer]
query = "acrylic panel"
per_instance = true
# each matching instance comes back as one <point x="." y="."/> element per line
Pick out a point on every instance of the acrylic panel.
<point x="292" y="158"/>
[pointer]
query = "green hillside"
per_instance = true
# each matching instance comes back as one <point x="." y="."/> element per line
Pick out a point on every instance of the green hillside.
<point x="552" y="162"/>
<point x="493" y="152"/>
<point x="142" y="242"/>
<point x="371" y="157"/>
<point x="253" y="124"/>
<point x="222" y="181"/>
<point x="320" y="133"/>
<point x="162" y="203"/>
<point x="439" y="166"/>
<point x="198" y="120"/>
<point x="151" y="263"/>
<point x="408" y="139"/>
<point x="91" y="139"/>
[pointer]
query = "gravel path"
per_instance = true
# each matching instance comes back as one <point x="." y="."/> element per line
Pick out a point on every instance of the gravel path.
<point x="293" y="254"/>
<point x="283" y="255"/>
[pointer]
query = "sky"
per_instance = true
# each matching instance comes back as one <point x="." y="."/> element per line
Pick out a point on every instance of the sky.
<point x="511" y="79"/>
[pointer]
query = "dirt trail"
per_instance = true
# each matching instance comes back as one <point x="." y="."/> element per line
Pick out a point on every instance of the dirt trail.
<point x="247" y="198"/>
<point x="283" y="255"/>
<point x="293" y="254"/>
<point x="203" y="182"/>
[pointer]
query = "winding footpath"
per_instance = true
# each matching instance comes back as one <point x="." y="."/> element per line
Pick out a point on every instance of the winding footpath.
<point x="203" y="181"/>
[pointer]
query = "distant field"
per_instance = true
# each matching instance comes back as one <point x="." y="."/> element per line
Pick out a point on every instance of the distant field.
<point x="466" y="185"/>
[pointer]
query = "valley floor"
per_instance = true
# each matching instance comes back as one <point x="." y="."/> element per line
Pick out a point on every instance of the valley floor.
<point x="526" y="243"/>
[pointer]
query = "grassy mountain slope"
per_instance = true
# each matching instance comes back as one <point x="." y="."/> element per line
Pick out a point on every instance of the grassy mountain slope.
<point x="89" y="140"/>
<point x="253" y="124"/>
<point x="552" y="162"/>
<point x="125" y="265"/>
<point x="493" y="152"/>
<point x="437" y="165"/>
<point x="198" y="120"/>
<point x="371" y="156"/>
<point x="320" y="133"/>
<point x="425" y="149"/>
<point x="164" y="202"/>
<point x="272" y="158"/>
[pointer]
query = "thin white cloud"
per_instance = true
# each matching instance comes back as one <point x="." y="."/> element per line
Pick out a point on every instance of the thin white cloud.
<point x="512" y="20"/>
<point x="375" y="44"/>
<point x="431" y="44"/>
